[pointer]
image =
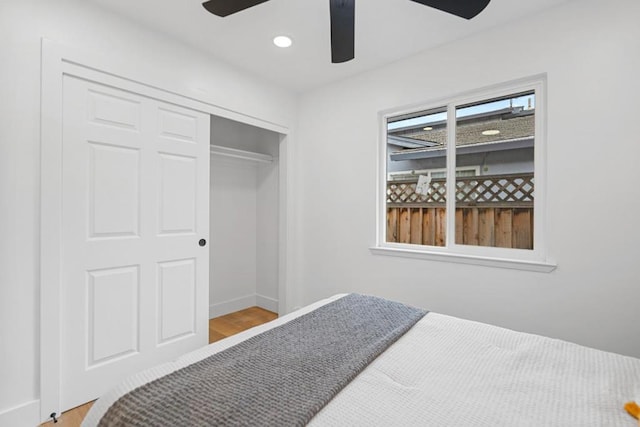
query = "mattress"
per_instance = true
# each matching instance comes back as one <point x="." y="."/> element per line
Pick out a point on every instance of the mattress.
<point x="447" y="371"/>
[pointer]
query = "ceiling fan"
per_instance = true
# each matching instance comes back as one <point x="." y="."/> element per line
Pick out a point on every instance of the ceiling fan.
<point x="343" y="18"/>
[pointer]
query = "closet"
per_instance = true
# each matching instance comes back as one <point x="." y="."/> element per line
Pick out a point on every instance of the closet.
<point x="244" y="202"/>
<point x="127" y="227"/>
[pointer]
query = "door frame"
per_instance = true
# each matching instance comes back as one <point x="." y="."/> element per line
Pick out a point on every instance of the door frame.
<point x="59" y="60"/>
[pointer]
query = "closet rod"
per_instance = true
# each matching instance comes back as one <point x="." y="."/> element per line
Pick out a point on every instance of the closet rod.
<point x="240" y="154"/>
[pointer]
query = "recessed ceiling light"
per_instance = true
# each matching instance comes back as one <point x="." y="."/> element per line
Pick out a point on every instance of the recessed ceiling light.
<point x="427" y="128"/>
<point x="282" y="41"/>
<point x="490" y="132"/>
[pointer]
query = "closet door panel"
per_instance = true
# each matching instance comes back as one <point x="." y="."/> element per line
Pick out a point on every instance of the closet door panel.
<point x="109" y="291"/>
<point x="114" y="179"/>
<point x="120" y="110"/>
<point x="176" y="302"/>
<point x="178" y="194"/>
<point x="177" y="124"/>
<point x="135" y="203"/>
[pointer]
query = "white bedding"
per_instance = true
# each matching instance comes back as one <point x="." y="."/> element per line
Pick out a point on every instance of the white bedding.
<point x="451" y="372"/>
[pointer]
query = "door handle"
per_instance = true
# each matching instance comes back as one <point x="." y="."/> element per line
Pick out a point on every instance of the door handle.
<point x="202" y="242"/>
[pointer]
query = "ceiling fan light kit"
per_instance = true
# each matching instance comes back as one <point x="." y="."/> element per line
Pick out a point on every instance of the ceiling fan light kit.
<point x="342" y="14"/>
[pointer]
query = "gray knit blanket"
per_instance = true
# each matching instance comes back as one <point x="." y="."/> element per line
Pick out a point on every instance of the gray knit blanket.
<point x="282" y="377"/>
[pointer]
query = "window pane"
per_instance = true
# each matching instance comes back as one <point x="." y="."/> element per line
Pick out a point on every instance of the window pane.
<point x="416" y="178"/>
<point x="494" y="206"/>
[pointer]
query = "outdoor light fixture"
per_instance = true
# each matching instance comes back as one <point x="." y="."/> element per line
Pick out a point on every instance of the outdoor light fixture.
<point x="427" y="128"/>
<point x="282" y="41"/>
<point x="490" y="132"/>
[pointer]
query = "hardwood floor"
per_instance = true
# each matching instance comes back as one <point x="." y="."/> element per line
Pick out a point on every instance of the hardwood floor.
<point x="219" y="328"/>
<point x="230" y="324"/>
<point x="73" y="417"/>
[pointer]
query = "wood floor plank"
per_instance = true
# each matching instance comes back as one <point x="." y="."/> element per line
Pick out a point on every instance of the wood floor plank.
<point x="71" y="418"/>
<point x="219" y="328"/>
<point x="215" y="336"/>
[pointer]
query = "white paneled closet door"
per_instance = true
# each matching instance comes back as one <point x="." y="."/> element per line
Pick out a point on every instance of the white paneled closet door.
<point x="135" y="208"/>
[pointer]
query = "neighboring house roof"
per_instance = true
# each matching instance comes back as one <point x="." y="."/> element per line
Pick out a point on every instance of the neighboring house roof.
<point x="514" y="125"/>
<point x="439" y="151"/>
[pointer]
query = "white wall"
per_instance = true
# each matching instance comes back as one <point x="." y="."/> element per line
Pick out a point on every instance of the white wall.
<point x="590" y="51"/>
<point x="232" y="231"/>
<point x="267" y="232"/>
<point x="81" y="25"/>
<point x="241" y="136"/>
<point x="244" y="221"/>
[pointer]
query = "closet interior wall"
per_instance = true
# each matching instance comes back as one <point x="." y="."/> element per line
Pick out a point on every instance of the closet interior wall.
<point x="243" y="217"/>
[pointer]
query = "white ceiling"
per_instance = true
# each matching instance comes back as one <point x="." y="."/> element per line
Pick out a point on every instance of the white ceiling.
<point x="386" y="30"/>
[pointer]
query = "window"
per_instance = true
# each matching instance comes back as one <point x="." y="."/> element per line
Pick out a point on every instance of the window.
<point x="487" y="150"/>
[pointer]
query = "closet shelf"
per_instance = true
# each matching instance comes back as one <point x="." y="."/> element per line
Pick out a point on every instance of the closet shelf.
<point x="240" y="154"/>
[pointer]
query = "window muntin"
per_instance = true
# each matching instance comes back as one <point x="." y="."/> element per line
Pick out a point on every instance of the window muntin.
<point x="525" y="98"/>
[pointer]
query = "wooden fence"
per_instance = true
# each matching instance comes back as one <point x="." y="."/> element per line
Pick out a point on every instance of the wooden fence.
<point x="491" y="210"/>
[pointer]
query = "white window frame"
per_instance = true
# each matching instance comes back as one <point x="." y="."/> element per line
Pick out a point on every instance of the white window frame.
<point x="535" y="259"/>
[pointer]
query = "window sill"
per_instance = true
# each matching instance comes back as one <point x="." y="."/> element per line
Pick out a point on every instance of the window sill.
<point x="537" y="266"/>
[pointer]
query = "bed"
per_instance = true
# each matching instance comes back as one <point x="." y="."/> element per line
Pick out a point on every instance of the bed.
<point x="434" y="370"/>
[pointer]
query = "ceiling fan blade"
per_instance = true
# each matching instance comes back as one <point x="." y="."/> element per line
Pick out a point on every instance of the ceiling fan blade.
<point x="342" y="30"/>
<point x="228" y="7"/>
<point x="462" y="8"/>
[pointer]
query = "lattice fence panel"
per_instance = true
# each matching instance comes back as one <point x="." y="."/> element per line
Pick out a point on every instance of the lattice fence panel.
<point x="405" y="192"/>
<point x="499" y="188"/>
<point x="516" y="188"/>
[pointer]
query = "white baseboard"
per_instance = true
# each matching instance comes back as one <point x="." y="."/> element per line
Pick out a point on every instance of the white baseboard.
<point x="27" y="415"/>
<point x="236" y="304"/>
<point x="267" y="303"/>
<point x="226" y="307"/>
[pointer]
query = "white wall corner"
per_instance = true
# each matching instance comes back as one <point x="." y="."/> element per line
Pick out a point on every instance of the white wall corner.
<point x="229" y="306"/>
<point x="267" y="303"/>
<point x="26" y="414"/>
